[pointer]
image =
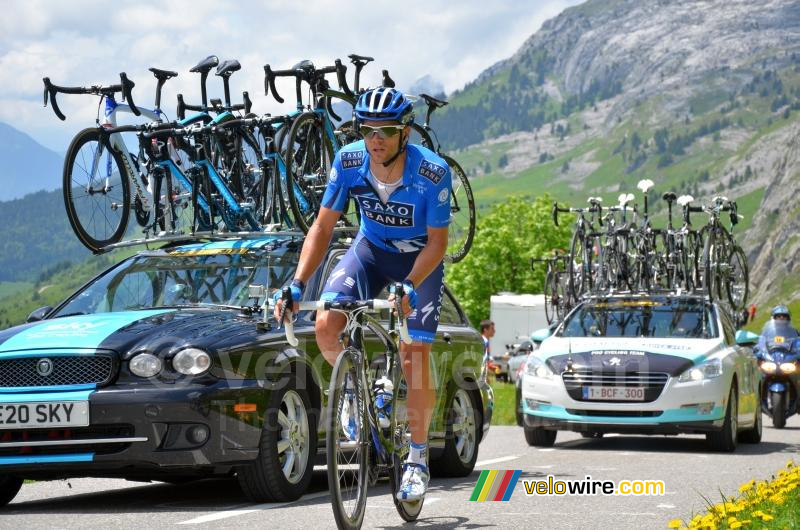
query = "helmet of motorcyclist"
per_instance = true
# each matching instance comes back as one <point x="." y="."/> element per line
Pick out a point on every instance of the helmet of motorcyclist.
<point x="781" y="311"/>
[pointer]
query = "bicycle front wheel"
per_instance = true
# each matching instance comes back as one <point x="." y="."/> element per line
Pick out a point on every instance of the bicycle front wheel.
<point x="401" y="439"/>
<point x="96" y="190"/>
<point x="462" y="213"/>
<point x="550" y="300"/>
<point x="347" y="442"/>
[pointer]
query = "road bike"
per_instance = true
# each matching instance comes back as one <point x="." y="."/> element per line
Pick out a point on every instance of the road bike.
<point x="357" y="455"/>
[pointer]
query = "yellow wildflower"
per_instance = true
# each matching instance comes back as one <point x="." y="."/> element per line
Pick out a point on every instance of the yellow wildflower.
<point x="675" y="523"/>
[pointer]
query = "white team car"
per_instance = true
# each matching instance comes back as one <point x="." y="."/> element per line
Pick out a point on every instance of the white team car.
<point x="644" y="365"/>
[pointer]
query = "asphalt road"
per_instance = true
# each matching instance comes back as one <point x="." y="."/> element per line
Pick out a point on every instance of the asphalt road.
<point x="690" y="472"/>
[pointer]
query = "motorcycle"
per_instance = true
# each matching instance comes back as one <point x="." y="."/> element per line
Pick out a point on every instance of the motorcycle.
<point x="778" y="354"/>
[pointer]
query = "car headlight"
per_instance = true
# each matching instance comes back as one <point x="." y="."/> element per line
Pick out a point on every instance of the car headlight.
<point x="191" y="361"/>
<point x="145" y="365"/>
<point x="537" y="368"/>
<point x="707" y="370"/>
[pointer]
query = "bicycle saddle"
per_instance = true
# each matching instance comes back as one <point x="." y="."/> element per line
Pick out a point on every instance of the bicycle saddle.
<point x="163" y="74"/>
<point x="432" y="101"/>
<point x="206" y="64"/>
<point x="669" y="196"/>
<point x="645" y="184"/>
<point x="683" y="200"/>
<point x="227" y="68"/>
<point x="355" y="59"/>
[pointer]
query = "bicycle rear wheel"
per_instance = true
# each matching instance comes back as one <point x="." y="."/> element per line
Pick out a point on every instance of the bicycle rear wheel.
<point x="737" y="277"/>
<point x="96" y="190"/>
<point x="309" y="156"/>
<point x="462" y="213"/>
<point x="347" y="445"/>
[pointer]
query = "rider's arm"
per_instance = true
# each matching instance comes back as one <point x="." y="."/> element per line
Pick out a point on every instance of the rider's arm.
<point x="437" y="220"/>
<point x="319" y="235"/>
<point x="430" y="256"/>
<point x="316" y="243"/>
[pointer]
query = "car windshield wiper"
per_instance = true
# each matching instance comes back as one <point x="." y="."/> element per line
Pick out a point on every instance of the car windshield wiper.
<point x="71" y="314"/>
<point x="207" y="305"/>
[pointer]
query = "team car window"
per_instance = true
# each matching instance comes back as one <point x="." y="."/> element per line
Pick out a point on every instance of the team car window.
<point x="449" y="314"/>
<point x="640" y="319"/>
<point x="185" y="278"/>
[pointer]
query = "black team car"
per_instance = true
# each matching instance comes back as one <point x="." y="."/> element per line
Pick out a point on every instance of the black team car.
<point x="162" y="368"/>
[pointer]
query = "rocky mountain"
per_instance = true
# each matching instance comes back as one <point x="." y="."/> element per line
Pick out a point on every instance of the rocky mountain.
<point x="27" y="165"/>
<point x="699" y="95"/>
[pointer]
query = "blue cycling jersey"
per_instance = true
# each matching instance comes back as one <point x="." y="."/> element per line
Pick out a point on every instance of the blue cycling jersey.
<point x="400" y="224"/>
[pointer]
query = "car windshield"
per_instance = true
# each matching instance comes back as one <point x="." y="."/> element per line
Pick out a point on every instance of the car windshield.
<point x="640" y="318"/>
<point x="187" y="276"/>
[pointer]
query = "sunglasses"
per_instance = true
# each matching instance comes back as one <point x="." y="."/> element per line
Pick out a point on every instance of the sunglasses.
<point x="383" y="132"/>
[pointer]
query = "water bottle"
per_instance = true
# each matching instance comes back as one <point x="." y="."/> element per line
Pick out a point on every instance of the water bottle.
<point x="383" y="401"/>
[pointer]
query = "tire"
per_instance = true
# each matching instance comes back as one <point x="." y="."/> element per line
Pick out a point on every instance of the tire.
<point x="518" y="415"/>
<point x="421" y="137"/>
<point x="539" y="437"/>
<point x="408" y="510"/>
<point x="9" y="487"/>
<point x="462" y="430"/>
<point x="563" y="298"/>
<point x="308" y="159"/>
<point x="348" y="494"/>
<point x="737" y="280"/>
<point x="576" y="267"/>
<point x="549" y="298"/>
<point x="725" y="440"/>
<point x="99" y="218"/>
<point x="285" y="463"/>
<point x="753" y="434"/>
<point x="778" y="400"/>
<point x="462" y="214"/>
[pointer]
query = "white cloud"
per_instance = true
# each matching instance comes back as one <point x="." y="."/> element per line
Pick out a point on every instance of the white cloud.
<point x="83" y="42"/>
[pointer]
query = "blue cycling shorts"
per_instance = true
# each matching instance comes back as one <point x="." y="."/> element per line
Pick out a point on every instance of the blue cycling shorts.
<point x="365" y="270"/>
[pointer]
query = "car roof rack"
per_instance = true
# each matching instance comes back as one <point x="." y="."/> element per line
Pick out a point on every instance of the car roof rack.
<point x="339" y="233"/>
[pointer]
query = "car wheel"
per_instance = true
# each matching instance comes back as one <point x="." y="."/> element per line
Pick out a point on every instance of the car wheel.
<point x="753" y="435"/>
<point x="725" y="439"/>
<point x="284" y="466"/>
<point x="9" y="487"/>
<point x="539" y="437"/>
<point x="518" y="406"/>
<point x="461" y="437"/>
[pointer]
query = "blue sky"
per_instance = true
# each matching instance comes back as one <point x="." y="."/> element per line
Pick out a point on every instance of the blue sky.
<point x="83" y="42"/>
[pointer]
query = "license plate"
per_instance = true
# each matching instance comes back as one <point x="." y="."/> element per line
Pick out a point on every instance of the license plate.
<point x="44" y="414"/>
<point x="613" y="393"/>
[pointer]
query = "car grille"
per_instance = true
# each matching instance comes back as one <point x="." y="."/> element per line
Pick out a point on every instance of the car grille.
<point x="66" y="370"/>
<point x="652" y="382"/>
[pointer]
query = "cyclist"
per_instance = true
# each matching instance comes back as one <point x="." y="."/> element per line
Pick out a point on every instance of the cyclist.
<point x="778" y="328"/>
<point x="403" y="193"/>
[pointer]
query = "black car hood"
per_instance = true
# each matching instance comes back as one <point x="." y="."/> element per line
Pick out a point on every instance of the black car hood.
<point x="131" y="331"/>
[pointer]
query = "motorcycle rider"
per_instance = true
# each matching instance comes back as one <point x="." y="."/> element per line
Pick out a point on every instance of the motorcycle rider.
<point x="778" y="329"/>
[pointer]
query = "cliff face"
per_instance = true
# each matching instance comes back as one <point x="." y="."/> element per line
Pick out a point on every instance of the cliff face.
<point x="607" y="69"/>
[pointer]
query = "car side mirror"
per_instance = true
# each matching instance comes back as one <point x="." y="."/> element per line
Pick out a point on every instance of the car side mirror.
<point x="39" y="314"/>
<point x="540" y="334"/>
<point x="746" y="338"/>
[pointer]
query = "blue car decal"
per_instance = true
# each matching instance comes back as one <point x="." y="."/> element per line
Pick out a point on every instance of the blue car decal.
<point x="46" y="459"/>
<point x="77" y="332"/>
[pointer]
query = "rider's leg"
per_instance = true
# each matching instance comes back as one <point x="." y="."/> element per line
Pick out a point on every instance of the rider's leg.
<point x="421" y="389"/>
<point x="329" y="326"/>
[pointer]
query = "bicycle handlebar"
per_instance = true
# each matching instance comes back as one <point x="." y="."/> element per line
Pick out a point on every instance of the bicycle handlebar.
<point x="51" y="90"/>
<point x="595" y="207"/>
<point x="127" y="94"/>
<point x="376" y="304"/>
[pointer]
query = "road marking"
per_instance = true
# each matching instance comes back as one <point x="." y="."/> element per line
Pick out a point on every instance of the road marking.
<point x="547" y="450"/>
<point x="496" y="460"/>
<point x="253" y="508"/>
<point x="668" y="506"/>
<point x="540" y="467"/>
